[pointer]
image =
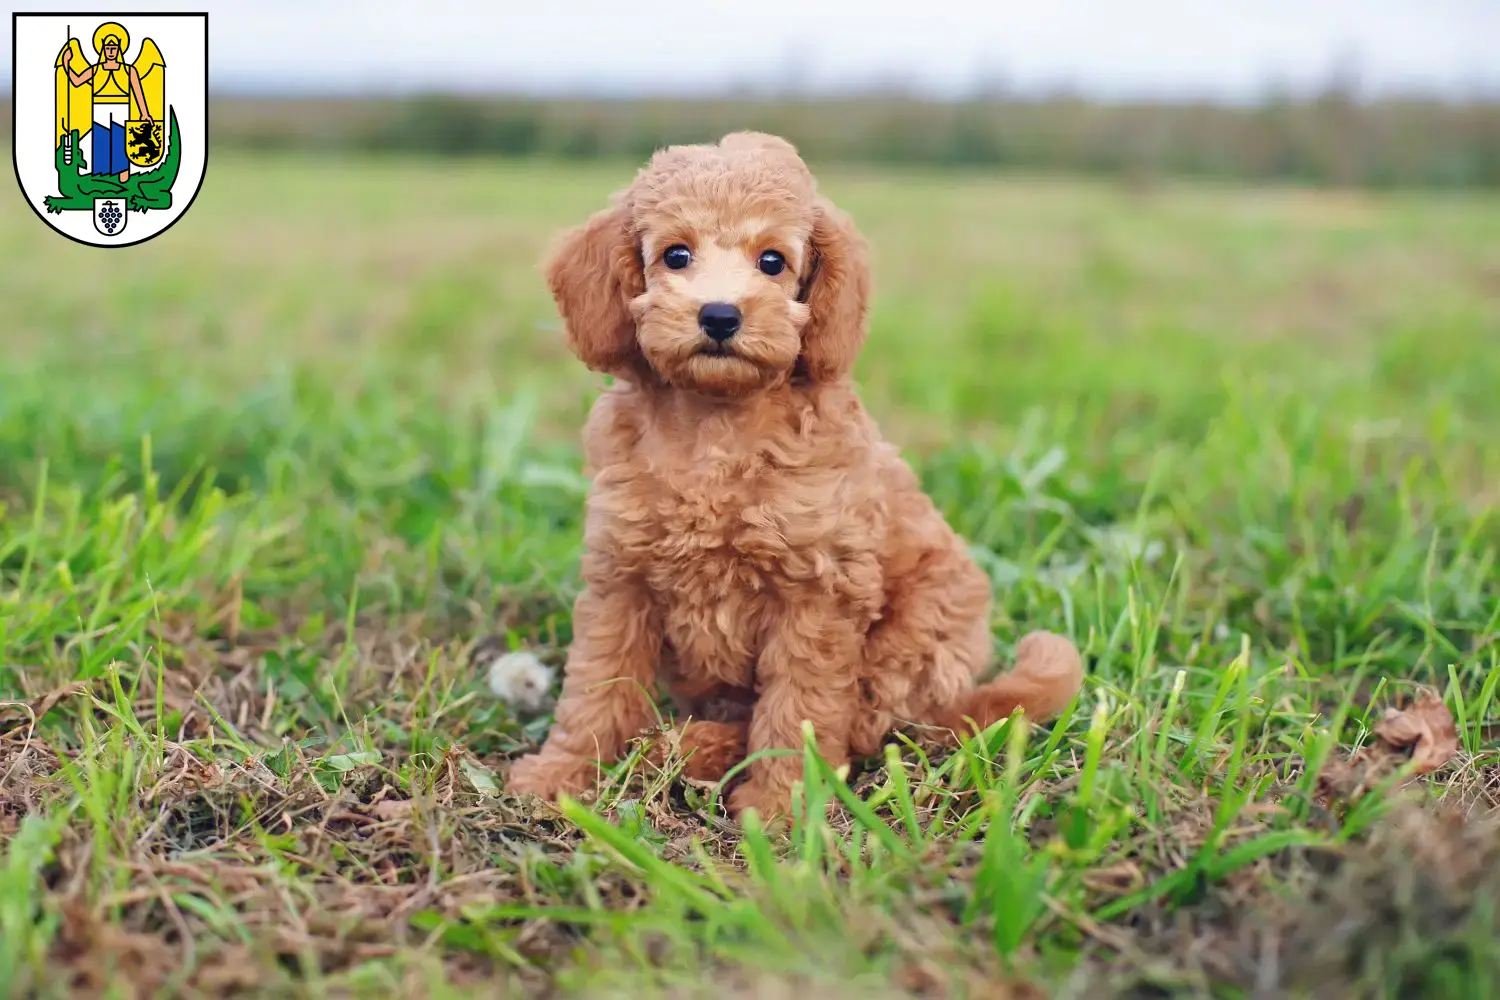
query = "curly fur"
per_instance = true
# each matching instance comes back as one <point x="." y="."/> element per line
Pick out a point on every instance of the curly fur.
<point x="751" y="541"/>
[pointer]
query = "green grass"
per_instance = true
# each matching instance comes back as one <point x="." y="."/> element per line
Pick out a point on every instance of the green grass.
<point x="265" y="481"/>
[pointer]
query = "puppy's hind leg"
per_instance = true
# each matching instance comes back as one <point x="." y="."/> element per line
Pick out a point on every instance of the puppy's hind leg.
<point x="710" y="749"/>
<point x="932" y="640"/>
<point x="924" y="656"/>
<point x="1047" y="674"/>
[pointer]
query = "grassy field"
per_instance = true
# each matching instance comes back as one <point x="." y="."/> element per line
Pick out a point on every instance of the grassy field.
<point x="266" y="481"/>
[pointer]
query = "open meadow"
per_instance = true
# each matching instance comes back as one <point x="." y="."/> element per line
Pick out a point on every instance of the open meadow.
<point x="266" y="482"/>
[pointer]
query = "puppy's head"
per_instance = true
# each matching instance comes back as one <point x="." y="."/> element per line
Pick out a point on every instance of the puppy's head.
<point x="719" y="270"/>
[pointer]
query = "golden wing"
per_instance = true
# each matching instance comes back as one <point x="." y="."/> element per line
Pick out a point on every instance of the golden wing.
<point x="75" y="105"/>
<point x="152" y="70"/>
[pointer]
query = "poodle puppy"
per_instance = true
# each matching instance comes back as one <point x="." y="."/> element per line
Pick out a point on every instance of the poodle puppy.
<point x="751" y="542"/>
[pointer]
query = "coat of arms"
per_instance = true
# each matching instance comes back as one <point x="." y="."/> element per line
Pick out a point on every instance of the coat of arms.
<point x="110" y="121"/>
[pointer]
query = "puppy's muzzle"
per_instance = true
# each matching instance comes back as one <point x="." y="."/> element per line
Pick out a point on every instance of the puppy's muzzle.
<point x="720" y="320"/>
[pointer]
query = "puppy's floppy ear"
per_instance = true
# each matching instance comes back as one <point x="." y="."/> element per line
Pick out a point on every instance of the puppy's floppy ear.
<point x="836" y="288"/>
<point x="594" y="273"/>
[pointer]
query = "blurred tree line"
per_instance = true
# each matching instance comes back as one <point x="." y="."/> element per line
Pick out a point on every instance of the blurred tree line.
<point x="1331" y="138"/>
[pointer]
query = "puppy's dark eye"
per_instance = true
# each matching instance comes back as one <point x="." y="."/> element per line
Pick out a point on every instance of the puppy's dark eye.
<point x="771" y="263"/>
<point x="677" y="257"/>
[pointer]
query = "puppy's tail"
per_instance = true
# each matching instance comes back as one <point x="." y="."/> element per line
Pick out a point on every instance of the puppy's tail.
<point x="1047" y="674"/>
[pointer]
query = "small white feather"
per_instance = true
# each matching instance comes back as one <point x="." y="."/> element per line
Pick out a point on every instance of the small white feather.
<point x="521" y="681"/>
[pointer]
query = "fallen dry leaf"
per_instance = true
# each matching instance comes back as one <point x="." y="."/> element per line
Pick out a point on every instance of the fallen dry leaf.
<point x="48" y="701"/>
<point x="390" y="809"/>
<point x="1423" y="731"/>
<point x="1425" y="728"/>
<point x="39" y="707"/>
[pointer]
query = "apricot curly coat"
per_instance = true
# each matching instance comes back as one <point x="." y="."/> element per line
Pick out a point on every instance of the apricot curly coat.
<point x="751" y="542"/>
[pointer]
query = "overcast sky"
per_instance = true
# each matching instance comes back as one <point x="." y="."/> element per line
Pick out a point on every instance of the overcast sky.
<point x="1112" y="48"/>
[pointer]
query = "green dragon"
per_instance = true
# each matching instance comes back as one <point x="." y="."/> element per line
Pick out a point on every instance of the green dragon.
<point x="150" y="189"/>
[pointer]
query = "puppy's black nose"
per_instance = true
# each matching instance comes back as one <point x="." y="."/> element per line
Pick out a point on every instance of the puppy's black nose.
<point x="720" y="320"/>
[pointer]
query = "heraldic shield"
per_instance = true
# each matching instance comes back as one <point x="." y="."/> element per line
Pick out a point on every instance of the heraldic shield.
<point x="110" y="121"/>
<point x="109" y="216"/>
<point x="144" y="142"/>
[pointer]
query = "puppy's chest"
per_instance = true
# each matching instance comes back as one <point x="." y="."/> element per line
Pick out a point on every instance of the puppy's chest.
<point x="723" y="544"/>
<point x="725" y="526"/>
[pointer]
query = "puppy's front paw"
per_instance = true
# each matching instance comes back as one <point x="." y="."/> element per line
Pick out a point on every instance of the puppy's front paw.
<point x="773" y="805"/>
<point x="549" y="776"/>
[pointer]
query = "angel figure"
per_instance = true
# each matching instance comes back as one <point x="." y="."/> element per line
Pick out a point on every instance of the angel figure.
<point x="123" y="101"/>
